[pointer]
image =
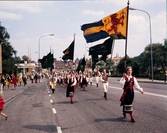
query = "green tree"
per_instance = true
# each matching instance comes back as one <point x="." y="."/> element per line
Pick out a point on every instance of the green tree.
<point x="129" y="62"/>
<point x="159" y="59"/>
<point x="9" y="58"/>
<point x="25" y="58"/>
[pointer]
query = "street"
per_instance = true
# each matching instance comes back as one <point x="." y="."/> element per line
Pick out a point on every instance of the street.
<point x="36" y="110"/>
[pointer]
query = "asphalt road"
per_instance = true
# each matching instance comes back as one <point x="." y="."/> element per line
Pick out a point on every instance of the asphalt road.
<point x="36" y="110"/>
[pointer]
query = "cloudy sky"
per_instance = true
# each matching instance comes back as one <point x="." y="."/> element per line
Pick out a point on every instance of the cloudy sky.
<point x="27" y="22"/>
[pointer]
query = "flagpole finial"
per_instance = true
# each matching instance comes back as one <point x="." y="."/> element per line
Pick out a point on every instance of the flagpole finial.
<point x="128" y="3"/>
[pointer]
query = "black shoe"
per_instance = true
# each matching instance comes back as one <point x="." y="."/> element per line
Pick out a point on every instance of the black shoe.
<point x="71" y="102"/>
<point x="105" y="98"/>
<point x="132" y="120"/>
<point x="124" y="115"/>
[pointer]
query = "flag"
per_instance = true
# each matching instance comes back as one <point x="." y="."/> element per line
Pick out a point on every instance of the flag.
<point x="81" y="65"/>
<point x="100" y="49"/>
<point x="103" y="57"/>
<point x="113" y="25"/>
<point x="47" y="61"/>
<point x="95" y="59"/>
<point x="69" y="52"/>
<point x="83" y="62"/>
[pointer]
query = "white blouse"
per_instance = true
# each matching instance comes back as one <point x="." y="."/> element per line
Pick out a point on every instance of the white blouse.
<point x="136" y="85"/>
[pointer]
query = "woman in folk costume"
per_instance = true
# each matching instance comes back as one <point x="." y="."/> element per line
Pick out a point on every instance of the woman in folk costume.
<point x="83" y="81"/>
<point x="129" y="82"/>
<point x="53" y="82"/>
<point x="65" y="79"/>
<point x="104" y="79"/>
<point x="70" y="87"/>
<point x="90" y="78"/>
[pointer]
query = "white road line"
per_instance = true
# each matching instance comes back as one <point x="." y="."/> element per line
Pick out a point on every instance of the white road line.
<point x="59" y="130"/>
<point x="51" y="100"/>
<point x="152" y="94"/>
<point x="49" y="95"/>
<point x="54" y="111"/>
<point x="48" y="91"/>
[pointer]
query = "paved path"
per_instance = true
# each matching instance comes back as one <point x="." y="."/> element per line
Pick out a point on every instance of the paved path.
<point x="10" y="94"/>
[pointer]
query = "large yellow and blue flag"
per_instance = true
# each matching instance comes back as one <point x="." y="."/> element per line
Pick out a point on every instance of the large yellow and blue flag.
<point x="114" y="25"/>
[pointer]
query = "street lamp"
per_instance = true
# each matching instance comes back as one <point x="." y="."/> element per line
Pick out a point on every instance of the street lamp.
<point x="39" y="43"/>
<point x="39" y="48"/>
<point x="150" y="38"/>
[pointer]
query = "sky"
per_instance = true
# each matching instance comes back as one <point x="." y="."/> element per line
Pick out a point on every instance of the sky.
<point x="29" y="24"/>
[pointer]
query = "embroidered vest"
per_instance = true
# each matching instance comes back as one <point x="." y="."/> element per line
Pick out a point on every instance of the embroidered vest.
<point x="129" y="85"/>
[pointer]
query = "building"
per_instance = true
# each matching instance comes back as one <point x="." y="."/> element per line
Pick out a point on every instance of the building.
<point x="116" y="60"/>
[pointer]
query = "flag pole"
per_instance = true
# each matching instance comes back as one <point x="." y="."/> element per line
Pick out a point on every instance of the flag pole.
<point x="126" y="34"/>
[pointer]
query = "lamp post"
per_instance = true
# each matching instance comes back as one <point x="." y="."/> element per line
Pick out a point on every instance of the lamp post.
<point x="39" y="47"/>
<point x="150" y="38"/>
<point x="39" y="43"/>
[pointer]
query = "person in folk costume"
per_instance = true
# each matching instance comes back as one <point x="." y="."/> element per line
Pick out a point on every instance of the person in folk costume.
<point x="97" y="75"/>
<point x="65" y="79"/>
<point x="70" y="87"/>
<point x="90" y="77"/>
<point x="77" y="78"/>
<point x="14" y="82"/>
<point x="58" y="79"/>
<point x="32" y="78"/>
<point x="83" y="80"/>
<point x="53" y="82"/>
<point x="50" y="76"/>
<point x="61" y="79"/>
<point x="104" y="79"/>
<point x="127" y="97"/>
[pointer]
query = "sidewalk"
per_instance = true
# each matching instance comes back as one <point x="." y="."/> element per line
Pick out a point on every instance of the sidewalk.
<point x="10" y="94"/>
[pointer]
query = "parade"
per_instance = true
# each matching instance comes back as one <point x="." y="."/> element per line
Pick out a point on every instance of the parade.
<point x="83" y="67"/>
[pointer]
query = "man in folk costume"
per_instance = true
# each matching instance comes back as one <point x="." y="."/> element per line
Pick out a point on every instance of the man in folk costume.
<point x="70" y="87"/>
<point x="129" y="82"/>
<point x="97" y="75"/>
<point x="104" y="79"/>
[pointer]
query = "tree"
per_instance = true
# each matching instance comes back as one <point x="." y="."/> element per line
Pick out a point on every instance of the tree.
<point x="25" y="58"/>
<point x="9" y="58"/>
<point x="129" y="62"/>
<point x="159" y="59"/>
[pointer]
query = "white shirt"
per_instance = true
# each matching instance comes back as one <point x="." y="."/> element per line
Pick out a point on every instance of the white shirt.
<point x="136" y="85"/>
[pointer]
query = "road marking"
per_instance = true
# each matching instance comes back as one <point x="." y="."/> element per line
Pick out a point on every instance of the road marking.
<point x="152" y="94"/>
<point x="59" y="130"/>
<point x="51" y="100"/>
<point x="54" y="111"/>
<point x="48" y="91"/>
<point x="49" y="95"/>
